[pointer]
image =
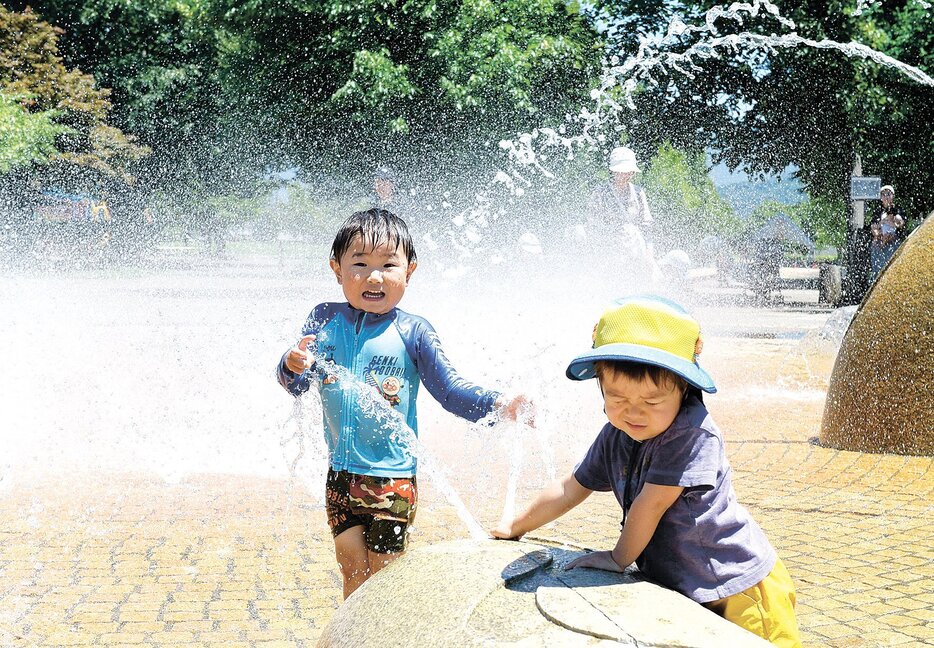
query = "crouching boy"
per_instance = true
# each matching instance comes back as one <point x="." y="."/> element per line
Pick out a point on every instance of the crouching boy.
<point x="663" y="457"/>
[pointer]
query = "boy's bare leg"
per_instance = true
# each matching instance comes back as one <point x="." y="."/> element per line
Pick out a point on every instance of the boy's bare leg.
<point x="352" y="557"/>
<point x="379" y="560"/>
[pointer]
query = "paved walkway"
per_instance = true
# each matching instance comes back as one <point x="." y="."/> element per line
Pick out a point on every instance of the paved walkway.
<point x="126" y="559"/>
<point x="86" y="560"/>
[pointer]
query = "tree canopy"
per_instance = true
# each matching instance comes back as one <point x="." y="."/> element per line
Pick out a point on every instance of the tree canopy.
<point x="26" y="138"/>
<point x="55" y="116"/>
<point x="223" y="91"/>
<point x="422" y="84"/>
<point x="766" y="107"/>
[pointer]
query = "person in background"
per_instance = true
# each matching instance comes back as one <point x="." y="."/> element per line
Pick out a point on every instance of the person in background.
<point x="384" y="188"/>
<point x="390" y="192"/>
<point x="619" y="222"/>
<point x="621" y="202"/>
<point x="886" y="228"/>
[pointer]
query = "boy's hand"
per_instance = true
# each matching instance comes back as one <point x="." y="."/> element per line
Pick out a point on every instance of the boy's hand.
<point x="299" y="357"/>
<point x="596" y="560"/>
<point x="516" y="408"/>
<point x="504" y="531"/>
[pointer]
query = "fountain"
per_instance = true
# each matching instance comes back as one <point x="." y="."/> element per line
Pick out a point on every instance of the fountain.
<point x="514" y="592"/>
<point x="875" y="400"/>
<point x="494" y="602"/>
<point x="158" y="486"/>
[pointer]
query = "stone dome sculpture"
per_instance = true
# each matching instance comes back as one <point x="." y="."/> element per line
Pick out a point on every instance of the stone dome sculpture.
<point x="478" y="593"/>
<point x="881" y="392"/>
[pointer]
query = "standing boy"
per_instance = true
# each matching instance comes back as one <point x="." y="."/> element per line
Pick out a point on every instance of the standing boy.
<point x="662" y="456"/>
<point x="367" y="342"/>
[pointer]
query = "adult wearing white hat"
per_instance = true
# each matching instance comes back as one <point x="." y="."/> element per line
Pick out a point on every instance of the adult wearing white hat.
<point x="619" y="201"/>
<point x="618" y="213"/>
<point x="886" y="228"/>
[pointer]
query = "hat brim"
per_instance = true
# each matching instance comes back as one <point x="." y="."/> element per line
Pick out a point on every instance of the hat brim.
<point x="582" y="367"/>
<point x="625" y="167"/>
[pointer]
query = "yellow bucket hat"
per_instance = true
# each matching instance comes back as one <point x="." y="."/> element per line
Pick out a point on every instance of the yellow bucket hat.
<point x="647" y="329"/>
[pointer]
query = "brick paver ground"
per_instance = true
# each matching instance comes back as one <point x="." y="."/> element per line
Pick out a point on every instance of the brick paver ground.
<point x="128" y="560"/>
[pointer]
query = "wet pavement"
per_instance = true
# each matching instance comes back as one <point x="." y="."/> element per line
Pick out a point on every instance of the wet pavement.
<point x="88" y="559"/>
<point x="128" y="556"/>
<point x="231" y="561"/>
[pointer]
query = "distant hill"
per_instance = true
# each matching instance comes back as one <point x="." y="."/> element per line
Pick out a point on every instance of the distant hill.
<point x="744" y="197"/>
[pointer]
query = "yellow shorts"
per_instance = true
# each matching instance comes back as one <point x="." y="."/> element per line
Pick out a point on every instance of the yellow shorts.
<point x="766" y="609"/>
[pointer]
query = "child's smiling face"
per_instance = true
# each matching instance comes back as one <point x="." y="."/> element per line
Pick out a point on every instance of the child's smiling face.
<point x="374" y="279"/>
<point x="640" y="408"/>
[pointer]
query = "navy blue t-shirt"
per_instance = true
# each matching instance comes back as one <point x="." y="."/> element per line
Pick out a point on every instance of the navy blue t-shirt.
<point x="706" y="545"/>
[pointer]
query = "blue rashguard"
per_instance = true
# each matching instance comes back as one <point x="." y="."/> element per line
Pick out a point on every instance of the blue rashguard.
<point x="390" y="352"/>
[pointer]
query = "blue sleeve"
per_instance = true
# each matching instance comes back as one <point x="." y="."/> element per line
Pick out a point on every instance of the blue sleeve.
<point x="298" y="384"/>
<point x="457" y="395"/>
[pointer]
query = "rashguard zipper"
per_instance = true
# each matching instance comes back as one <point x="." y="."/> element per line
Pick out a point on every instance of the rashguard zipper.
<point x="347" y="406"/>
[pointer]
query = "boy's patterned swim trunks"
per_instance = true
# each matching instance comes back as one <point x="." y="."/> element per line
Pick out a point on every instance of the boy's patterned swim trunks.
<point x="384" y="506"/>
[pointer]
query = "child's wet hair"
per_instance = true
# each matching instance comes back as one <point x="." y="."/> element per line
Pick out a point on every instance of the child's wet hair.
<point x="375" y="227"/>
<point x="639" y="371"/>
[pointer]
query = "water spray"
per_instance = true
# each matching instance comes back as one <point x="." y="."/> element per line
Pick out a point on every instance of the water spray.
<point x="375" y="407"/>
<point x="654" y="59"/>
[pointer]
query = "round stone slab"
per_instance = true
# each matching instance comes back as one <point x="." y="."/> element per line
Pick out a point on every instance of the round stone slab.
<point x="495" y="593"/>
<point x="630" y="610"/>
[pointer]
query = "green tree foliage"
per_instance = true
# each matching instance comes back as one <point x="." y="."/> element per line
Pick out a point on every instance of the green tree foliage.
<point x="764" y="110"/>
<point x="895" y="129"/>
<point x="160" y="58"/>
<point x="684" y="200"/>
<point x="333" y="85"/>
<point x="26" y="138"/>
<point x="157" y="57"/>
<point x="223" y="87"/>
<point x="424" y="84"/>
<point x="67" y="112"/>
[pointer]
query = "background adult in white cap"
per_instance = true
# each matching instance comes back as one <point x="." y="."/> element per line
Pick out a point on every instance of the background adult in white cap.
<point x="887" y="228"/>
<point x="620" y="200"/>
<point x="618" y="211"/>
